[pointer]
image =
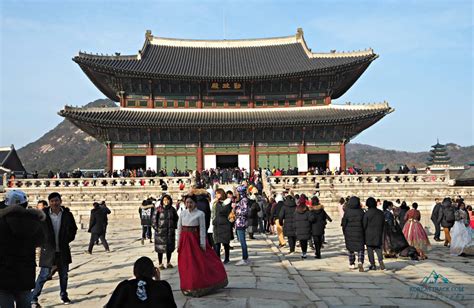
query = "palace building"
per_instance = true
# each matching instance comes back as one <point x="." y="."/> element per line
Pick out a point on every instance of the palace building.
<point x="201" y="104"/>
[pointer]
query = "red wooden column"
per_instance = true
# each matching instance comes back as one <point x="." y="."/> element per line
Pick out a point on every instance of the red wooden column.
<point x="200" y="158"/>
<point x="199" y="104"/>
<point x="327" y="100"/>
<point x="109" y="157"/>
<point x="343" y="155"/>
<point x="253" y="157"/>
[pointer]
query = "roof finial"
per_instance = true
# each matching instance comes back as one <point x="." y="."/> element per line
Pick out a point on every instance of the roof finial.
<point x="148" y="35"/>
<point x="299" y="33"/>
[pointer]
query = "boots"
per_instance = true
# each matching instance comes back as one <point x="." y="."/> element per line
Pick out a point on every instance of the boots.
<point x="382" y="265"/>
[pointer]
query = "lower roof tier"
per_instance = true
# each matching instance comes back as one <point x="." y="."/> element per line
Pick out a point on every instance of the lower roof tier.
<point x="220" y="118"/>
<point x="328" y="123"/>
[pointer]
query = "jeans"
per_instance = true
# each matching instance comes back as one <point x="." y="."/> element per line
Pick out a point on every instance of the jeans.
<point x="370" y="254"/>
<point x="146" y="232"/>
<point x="437" y="230"/>
<point x="217" y="249"/>
<point x="261" y="229"/>
<point x="43" y="276"/>
<point x="243" y="243"/>
<point x="8" y="299"/>
<point x="318" y="242"/>
<point x="304" y="246"/>
<point x="360" y="256"/>
<point x="94" y="238"/>
<point x="292" y="243"/>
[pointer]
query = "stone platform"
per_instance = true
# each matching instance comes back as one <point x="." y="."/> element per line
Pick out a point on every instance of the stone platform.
<point x="273" y="279"/>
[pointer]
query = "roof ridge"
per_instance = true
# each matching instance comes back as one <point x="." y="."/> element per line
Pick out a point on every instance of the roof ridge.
<point x="344" y="54"/>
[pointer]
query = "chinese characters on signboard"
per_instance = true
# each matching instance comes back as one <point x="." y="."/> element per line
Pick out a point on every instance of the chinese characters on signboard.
<point x="225" y="86"/>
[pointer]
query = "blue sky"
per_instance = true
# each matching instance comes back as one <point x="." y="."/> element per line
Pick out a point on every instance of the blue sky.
<point x="425" y="68"/>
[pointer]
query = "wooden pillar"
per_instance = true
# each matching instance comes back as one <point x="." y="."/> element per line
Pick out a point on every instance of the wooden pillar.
<point x="299" y="103"/>
<point x="253" y="157"/>
<point x="200" y="158"/>
<point x="199" y="104"/>
<point x="109" y="157"/>
<point x="302" y="146"/>
<point x="150" y="97"/>
<point x="327" y="100"/>
<point x="122" y="98"/>
<point x="343" y="155"/>
<point x="149" y="149"/>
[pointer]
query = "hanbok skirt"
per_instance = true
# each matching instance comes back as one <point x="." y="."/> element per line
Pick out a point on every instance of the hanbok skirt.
<point x="416" y="235"/>
<point x="200" y="272"/>
<point x="393" y="240"/>
<point x="461" y="240"/>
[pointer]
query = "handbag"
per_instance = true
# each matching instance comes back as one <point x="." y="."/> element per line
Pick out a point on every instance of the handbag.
<point x="231" y="216"/>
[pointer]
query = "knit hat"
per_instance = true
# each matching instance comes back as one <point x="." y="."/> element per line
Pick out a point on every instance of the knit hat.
<point x="242" y="190"/>
<point x="15" y="197"/>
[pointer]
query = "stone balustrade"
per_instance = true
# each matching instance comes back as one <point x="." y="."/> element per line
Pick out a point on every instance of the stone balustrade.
<point x="26" y="184"/>
<point x="361" y="179"/>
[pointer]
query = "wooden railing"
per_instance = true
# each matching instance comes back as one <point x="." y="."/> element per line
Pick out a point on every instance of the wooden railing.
<point x="171" y="182"/>
<point x="362" y="179"/>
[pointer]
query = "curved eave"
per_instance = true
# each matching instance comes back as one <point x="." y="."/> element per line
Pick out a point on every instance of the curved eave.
<point x="204" y="118"/>
<point x="131" y="73"/>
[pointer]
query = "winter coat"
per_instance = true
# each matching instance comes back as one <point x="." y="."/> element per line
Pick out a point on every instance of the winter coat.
<point x="401" y="215"/>
<point x="241" y="213"/>
<point x="446" y="215"/>
<point x="67" y="234"/>
<point x="203" y="204"/>
<point x="20" y="233"/>
<point x="146" y="214"/>
<point x="287" y="217"/>
<point x="98" y="221"/>
<point x="318" y="218"/>
<point x="222" y="225"/>
<point x="159" y="294"/>
<point x="254" y="209"/>
<point x="275" y="211"/>
<point x="165" y="222"/>
<point x="374" y="221"/>
<point x="302" y="223"/>
<point x="353" y="229"/>
<point x="435" y="213"/>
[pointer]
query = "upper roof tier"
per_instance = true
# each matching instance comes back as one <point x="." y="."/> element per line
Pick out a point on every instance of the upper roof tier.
<point x="252" y="59"/>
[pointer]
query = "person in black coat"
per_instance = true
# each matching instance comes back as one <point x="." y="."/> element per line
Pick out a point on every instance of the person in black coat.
<point x="446" y="219"/>
<point x="146" y="290"/>
<point x="373" y="223"/>
<point x="60" y="230"/>
<point x="275" y="214"/>
<point x="318" y="218"/>
<point x="287" y="220"/>
<point x="434" y="219"/>
<point x="20" y="233"/>
<point x="146" y="212"/>
<point x="302" y="225"/>
<point x="254" y="209"/>
<point x="220" y="221"/>
<point x="203" y="204"/>
<point x="165" y="222"/>
<point x="402" y="210"/>
<point x="354" y="232"/>
<point x="97" y="225"/>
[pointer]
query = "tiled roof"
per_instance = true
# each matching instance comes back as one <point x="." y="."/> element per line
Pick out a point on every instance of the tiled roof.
<point x="227" y="59"/>
<point x="257" y="117"/>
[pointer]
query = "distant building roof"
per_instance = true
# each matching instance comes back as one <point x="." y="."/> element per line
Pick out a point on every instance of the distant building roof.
<point x="9" y="159"/>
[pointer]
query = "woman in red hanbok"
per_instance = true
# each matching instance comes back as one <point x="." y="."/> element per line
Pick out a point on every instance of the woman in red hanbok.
<point x="200" y="269"/>
<point x="415" y="233"/>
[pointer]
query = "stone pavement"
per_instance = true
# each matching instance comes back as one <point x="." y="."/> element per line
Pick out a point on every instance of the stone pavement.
<point x="274" y="279"/>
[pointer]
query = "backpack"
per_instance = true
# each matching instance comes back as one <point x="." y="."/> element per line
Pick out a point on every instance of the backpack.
<point x="449" y="214"/>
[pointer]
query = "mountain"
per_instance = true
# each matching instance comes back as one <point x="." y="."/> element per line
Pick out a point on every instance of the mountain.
<point x="66" y="147"/>
<point x="367" y="156"/>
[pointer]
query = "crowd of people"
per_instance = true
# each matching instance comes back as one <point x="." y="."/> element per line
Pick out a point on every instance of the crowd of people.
<point x="202" y="224"/>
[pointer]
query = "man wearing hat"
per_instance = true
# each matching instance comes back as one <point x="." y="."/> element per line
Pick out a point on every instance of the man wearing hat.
<point x="20" y="234"/>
